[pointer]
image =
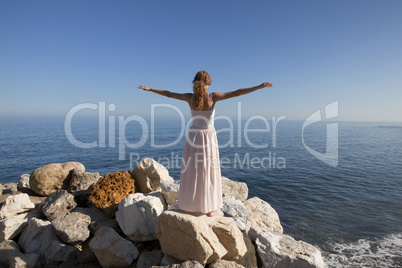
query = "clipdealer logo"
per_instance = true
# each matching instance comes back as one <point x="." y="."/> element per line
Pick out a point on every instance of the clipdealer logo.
<point x="271" y="160"/>
<point x="330" y="156"/>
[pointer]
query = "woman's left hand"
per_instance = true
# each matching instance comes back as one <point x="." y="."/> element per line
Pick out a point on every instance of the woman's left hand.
<point x="144" y="88"/>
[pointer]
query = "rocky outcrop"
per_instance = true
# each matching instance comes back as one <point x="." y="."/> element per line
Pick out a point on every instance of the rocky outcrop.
<point x="262" y="215"/>
<point x="204" y="239"/>
<point x="111" y="249"/>
<point x="137" y="216"/>
<point x="149" y="174"/>
<point x="16" y="204"/>
<point x="72" y="228"/>
<point x="279" y="250"/>
<point x="235" y="209"/>
<point x="52" y="177"/>
<point x="57" y="204"/>
<point x="238" y="190"/>
<point x="110" y="190"/>
<point x="169" y="238"/>
<point x="39" y="238"/>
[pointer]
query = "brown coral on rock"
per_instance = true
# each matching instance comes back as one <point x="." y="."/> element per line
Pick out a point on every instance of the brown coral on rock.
<point x="110" y="190"/>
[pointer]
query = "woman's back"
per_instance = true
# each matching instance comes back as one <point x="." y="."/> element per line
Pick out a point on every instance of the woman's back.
<point x="203" y="119"/>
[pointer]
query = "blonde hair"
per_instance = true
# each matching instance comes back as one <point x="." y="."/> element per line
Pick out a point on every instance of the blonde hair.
<point x="200" y="84"/>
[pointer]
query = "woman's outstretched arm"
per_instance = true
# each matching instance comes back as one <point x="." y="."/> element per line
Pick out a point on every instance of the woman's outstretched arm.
<point x="184" y="97"/>
<point x="217" y="96"/>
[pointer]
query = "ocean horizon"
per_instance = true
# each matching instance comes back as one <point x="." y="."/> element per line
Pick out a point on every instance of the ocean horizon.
<point x="349" y="208"/>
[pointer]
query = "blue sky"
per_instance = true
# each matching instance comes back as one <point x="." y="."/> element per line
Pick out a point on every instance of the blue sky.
<point x="58" y="54"/>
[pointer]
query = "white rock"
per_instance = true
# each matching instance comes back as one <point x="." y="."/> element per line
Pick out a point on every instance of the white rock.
<point x="278" y="250"/>
<point x="148" y="175"/>
<point x="12" y="227"/>
<point x="24" y="261"/>
<point x="170" y="191"/>
<point x="111" y="249"/>
<point x="203" y="239"/>
<point x="72" y="228"/>
<point x="234" y="208"/>
<point x="39" y="238"/>
<point x="261" y="214"/>
<point x="57" y="204"/>
<point x="16" y="204"/>
<point x="137" y="216"/>
<point x="238" y="190"/>
<point x="23" y="181"/>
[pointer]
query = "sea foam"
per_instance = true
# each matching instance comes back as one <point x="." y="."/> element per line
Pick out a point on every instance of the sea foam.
<point x="385" y="252"/>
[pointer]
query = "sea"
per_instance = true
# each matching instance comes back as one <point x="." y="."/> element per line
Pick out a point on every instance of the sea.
<point x="349" y="207"/>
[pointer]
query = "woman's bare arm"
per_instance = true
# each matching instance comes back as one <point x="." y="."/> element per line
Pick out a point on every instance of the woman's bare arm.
<point x="217" y="96"/>
<point x="184" y="97"/>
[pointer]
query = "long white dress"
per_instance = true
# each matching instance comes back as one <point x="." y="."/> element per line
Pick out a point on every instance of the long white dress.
<point x="200" y="178"/>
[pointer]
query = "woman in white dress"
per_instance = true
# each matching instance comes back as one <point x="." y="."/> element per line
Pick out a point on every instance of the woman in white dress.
<point x="200" y="177"/>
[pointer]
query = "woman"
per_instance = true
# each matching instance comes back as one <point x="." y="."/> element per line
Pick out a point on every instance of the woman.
<point x="200" y="177"/>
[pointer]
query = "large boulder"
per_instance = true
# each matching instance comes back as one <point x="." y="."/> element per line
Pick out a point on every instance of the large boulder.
<point x="39" y="238"/>
<point x="57" y="204"/>
<point x="279" y="250"/>
<point x="16" y="204"/>
<point x="137" y="216"/>
<point x="234" y="208"/>
<point x="52" y="177"/>
<point x="238" y="190"/>
<point x="110" y="190"/>
<point x="261" y="214"/>
<point x="111" y="249"/>
<point x="203" y="239"/>
<point x="149" y="174"/>
<point x="10" y="228"/>
<point x="72" y="228"/>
